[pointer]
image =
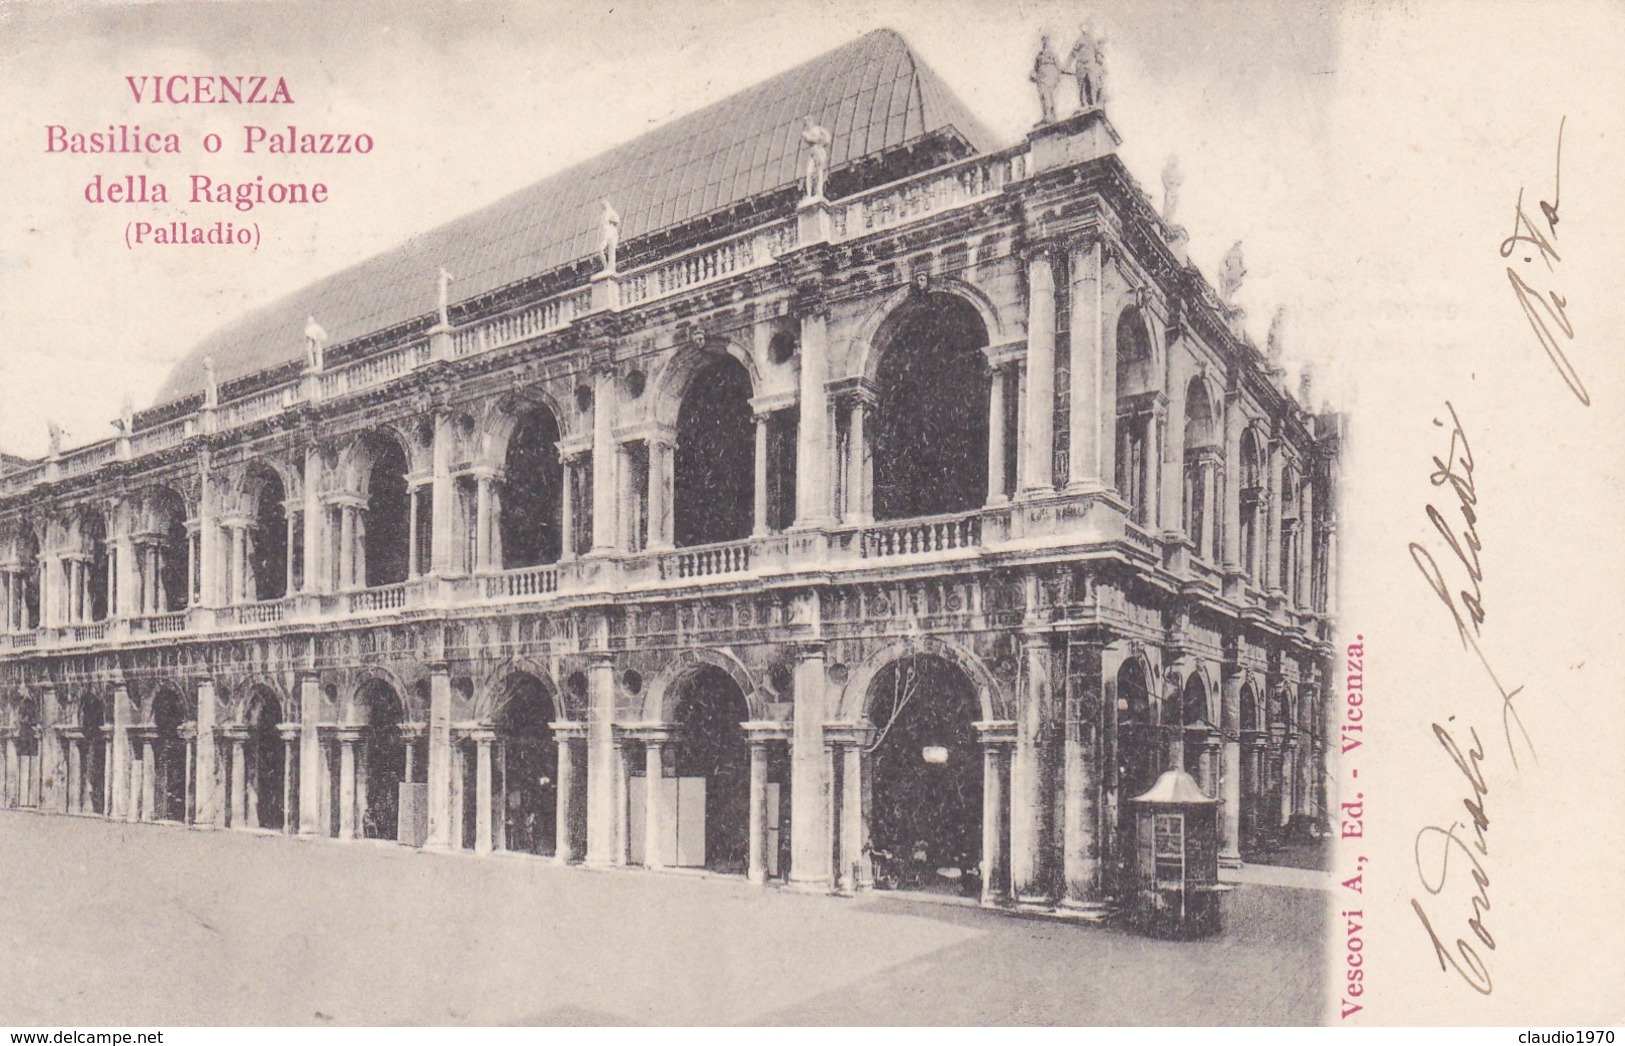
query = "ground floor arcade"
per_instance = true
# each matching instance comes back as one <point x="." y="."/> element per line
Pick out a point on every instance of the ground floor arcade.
<point x="994" y="767"/>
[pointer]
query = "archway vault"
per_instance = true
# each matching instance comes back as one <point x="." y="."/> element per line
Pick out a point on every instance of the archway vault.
<point x="853" y="702"/>
<point x="661" y="696"/>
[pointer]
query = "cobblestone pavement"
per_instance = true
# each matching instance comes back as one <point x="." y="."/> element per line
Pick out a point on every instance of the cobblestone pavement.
<point x="115" y="924"/>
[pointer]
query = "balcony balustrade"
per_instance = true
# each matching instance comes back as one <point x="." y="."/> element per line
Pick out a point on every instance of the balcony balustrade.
<point x="919" y="536"/>
<point x="522" y="582"/>
<point x="701" y="561"/>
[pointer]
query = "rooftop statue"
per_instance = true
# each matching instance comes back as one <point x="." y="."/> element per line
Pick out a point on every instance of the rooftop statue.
<point x="315" y="340"/>
<point x="1087" y="62"/>
<point x="1277" y="336"/>
<point x="211" y="388"/>
<point x="817" y="140"/>
<point x="56" y="433"/>
<point x="1231" y="275"/>
<point x="1172" y="179"/>
<point x="610" y="225"/>
<point x="444" y="283"/>
<point x="125" y="423"/>
<point x="1046" y="75"/>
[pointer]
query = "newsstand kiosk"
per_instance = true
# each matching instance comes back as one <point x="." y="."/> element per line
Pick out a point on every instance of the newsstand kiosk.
<point x="1176" y="866"/>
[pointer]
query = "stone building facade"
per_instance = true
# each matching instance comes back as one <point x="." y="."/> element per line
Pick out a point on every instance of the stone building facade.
<point x="900" y="531"/>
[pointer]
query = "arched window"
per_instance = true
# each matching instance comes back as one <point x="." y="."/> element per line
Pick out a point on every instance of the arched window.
<point x="1201" y="469"/>
<point x="162" y="557"/>
<point x="388" y="518"/>
<point x="714" y="478"/>
<point x="532" y="498"/>
<point x="1252" y="504"/>
<point x="268" y="540"/>
<point x="931" y="419"/>
<point x="1135" y="452"/>
<point x="94" y="600"/>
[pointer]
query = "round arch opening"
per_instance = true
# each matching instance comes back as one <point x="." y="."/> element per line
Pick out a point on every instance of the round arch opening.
<point x="383" y="756"/>
<point x="708" y="773"/>
<point x="388" y="516"/>
<point x="714" y="476"/>
<point x="931" y="420"/>
<point x="925" y="778"/>
<point x="525" y="769"/>
<point x="266" y="771"/>
<point x="169" y="790"/>
<point x="532" y="492"/>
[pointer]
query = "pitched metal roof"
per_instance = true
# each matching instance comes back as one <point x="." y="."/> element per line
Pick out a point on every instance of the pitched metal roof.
<point x="874" y="95"/>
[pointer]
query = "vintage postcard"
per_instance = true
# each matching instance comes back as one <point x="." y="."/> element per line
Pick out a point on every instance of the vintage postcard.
<point x="855" y="513"/>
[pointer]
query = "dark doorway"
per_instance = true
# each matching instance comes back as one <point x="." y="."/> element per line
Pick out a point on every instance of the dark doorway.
<point x="169" y="758"/>
<point x="384" y="750"/>
<point x="388" y="519"/>
<point x="533" y="493"/>
<point x="715" y="471"/>
<point x="266" y="770"/>
<point x="93" y="770"/>
<point x="930" y="425"/>
<point x="525" y="778"/>
<point x="710" y="743"/>
<point x="268" y="559"/>
<point x="926" y="778"/>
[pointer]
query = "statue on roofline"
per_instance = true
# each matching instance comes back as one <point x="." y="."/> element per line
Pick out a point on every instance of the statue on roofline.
<point x="315" y="340"/>
<point x="211" y="389"/>
<point x="610" y="225"/>
<point x="443" y="300"/>
<point x="1172" y="179"/>
<point x="1087" y="62"/>
<point x="817" y="140"/>
<point x="1046" y="75"/>
<point x="56" y="433"/>
<point x="1231" y="274"/>
<point x="1277" y="336"/>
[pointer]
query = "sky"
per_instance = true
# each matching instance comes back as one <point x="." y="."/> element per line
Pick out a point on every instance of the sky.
<point x="467" y="103"/>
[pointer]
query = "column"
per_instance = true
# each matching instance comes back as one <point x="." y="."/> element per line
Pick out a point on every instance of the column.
<point x="1027" y="878"/>
<point x="603" y="759"/>
<point x="347" y="546"/>
<point x="75" y="794"/>
<point x="290" y="774"/>
<point x="311" y="783"/>
<point x="759" y="490"/>
<point x="1036" y="458"/>
<point x="8" y="782"/>
<point x="118" y="769"/>
<point x="239" y="783"/>
<point x="289" y="587"/>
<point x="413" y="565"/>
<point x="149" y="778"/>
<point x="1080" y="849"/>
<point x="564" y="837"/>
<point x="995" y="763"/>
<point x="995" y="438"/>
<point x="1207" y="545"/>
<point x="347" y="826"/>
<point x="756" y="871"/>
<point x="1306" y="539"/>
<point x="482" y="523"/>
<point x="857" y="450"/>
<point x="1230" y="808"/>
<point x="315" y="572"/>
<point x="1094" y="363"/>
<point x="209" y="808"/>
<point x="1272" y="526"/>
<point x="482" y="792"/>
<point x="854" y="822"/>
<point x="654" y="826"/>
<point x="1173" y="448"/>
<point x="439" y="836"/>
<point x="1330" y="596"/>
<point x="812" y="435"/>
<point x="604" y="479"/>
<point x="567" y="529"/>
<point x="660" y="492"/>
<point x="1234" y="422"/>
<point x="810" y="857"/>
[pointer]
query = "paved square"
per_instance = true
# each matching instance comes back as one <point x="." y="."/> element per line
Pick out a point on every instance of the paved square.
<point x="116" y="924"/>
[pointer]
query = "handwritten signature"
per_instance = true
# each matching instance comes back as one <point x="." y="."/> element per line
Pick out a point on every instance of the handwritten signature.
<point x="1548" y="310"/>
<point x="1464" y="600"/>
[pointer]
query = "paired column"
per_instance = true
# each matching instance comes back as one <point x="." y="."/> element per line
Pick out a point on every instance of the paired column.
<point x="569" y="736"/>
<point x="849" y="743"/>
<point x="810" y="842"/>
<point x="1081" y="865"/>
<point x="654" y="806"/>
<point x="482" y="790"/>
<point x="813" y="472"/>
<point x="1036" y="459"/>
<point x="604" y="479"/>
<point x="997" y="738"/>
<point x="348" y="739"/>
<point x="1028" y="881"/>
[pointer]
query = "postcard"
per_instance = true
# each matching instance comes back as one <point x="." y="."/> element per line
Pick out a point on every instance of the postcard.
<point x="810" y="514"/>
